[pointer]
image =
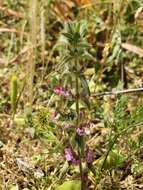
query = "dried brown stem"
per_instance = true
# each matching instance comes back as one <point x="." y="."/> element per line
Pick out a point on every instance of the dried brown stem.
<point x="134" y="90"/>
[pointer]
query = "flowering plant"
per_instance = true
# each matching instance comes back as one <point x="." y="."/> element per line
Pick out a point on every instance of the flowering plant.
<point x="74" y="50"/>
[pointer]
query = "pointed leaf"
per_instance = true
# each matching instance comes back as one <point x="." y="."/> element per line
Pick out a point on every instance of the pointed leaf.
<point x="86" y="102"/>
<point x="68" y="35"/>
<point x="85" y="85"/>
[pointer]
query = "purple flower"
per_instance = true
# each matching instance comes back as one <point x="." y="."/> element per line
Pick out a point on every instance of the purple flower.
<point x="75" y="162"/>
<point x="89" y="156"/>
<point x="83" y="129"/>
<point x="69" y="155"/>
<point x="57" y="90"/>
<point x="66" y="93"/>
<point x="61" y="91"/>
<point x="67" y="126"/>
<point x="80" y="131"/>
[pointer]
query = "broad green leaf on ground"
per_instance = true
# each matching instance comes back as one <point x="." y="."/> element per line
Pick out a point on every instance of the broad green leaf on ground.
<point x="70" y="185"/>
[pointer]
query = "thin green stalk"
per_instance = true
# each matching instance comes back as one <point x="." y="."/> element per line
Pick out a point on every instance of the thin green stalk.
<point x="77" y="125"/>
<point x="81" y="171"/>
<point x="13" y="94"/>
<point x="20" y="94"/>
<point x="106" y="155"/>
<point x="18" y="98"/>
<point x="109" y="150"/>
<point x="77" y="101"/>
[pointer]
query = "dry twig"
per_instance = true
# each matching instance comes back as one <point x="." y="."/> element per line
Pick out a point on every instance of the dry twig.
<point x="134" y="90"/>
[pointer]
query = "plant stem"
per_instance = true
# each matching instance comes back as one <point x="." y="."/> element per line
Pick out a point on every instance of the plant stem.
<point x="109" y="150"/>
<point x="77" y="101"/>
<point x="77" y="123"/>
<point x="18" y="98"/>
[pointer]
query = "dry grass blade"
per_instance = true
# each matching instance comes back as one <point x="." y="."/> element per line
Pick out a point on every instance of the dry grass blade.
<point x="83" y="2"/>
<point x="11" y="12"/>
<point x="42" y="24"/>
<point x="32" y="52"/>
<point x="133" y="48"/>
<point x="63" y="10"/>
<point x="12" y="30"/>
<point x="22" y="52"/>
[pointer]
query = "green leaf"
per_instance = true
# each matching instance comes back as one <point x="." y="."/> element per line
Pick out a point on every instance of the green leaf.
<point x="113" y="160"/>
<point x="13" y="94"/>
<point x="88" y="56"/>
<point x="13" y="187"/>
<point x="63" y="170"/>
<point x="68" y="35"/>
<point x="89" y="72"/>
<point x="20" y="121"/>
<point x="77" y="27"/>
<point x="70" y="185"/>
<point x="85" y="101"/>
<point x="85" y="85"/>
<point x="83" y="45"/>
<point x="137" y="168"/>
<point x="83" y="29"/>
<point x="81" y="105"/>
<point x="68" y="27"/>
<point x="66" y="79"/>
<point x="65" y="59"/>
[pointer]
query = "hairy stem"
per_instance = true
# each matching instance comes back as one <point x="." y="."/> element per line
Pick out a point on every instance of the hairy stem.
<point x="77" y="124"/>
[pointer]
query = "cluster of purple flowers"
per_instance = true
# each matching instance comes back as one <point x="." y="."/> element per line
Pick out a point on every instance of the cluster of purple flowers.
<point x="61" y="91"/>
<point x="71" y="156"/>
<point x="82" y="130"/>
